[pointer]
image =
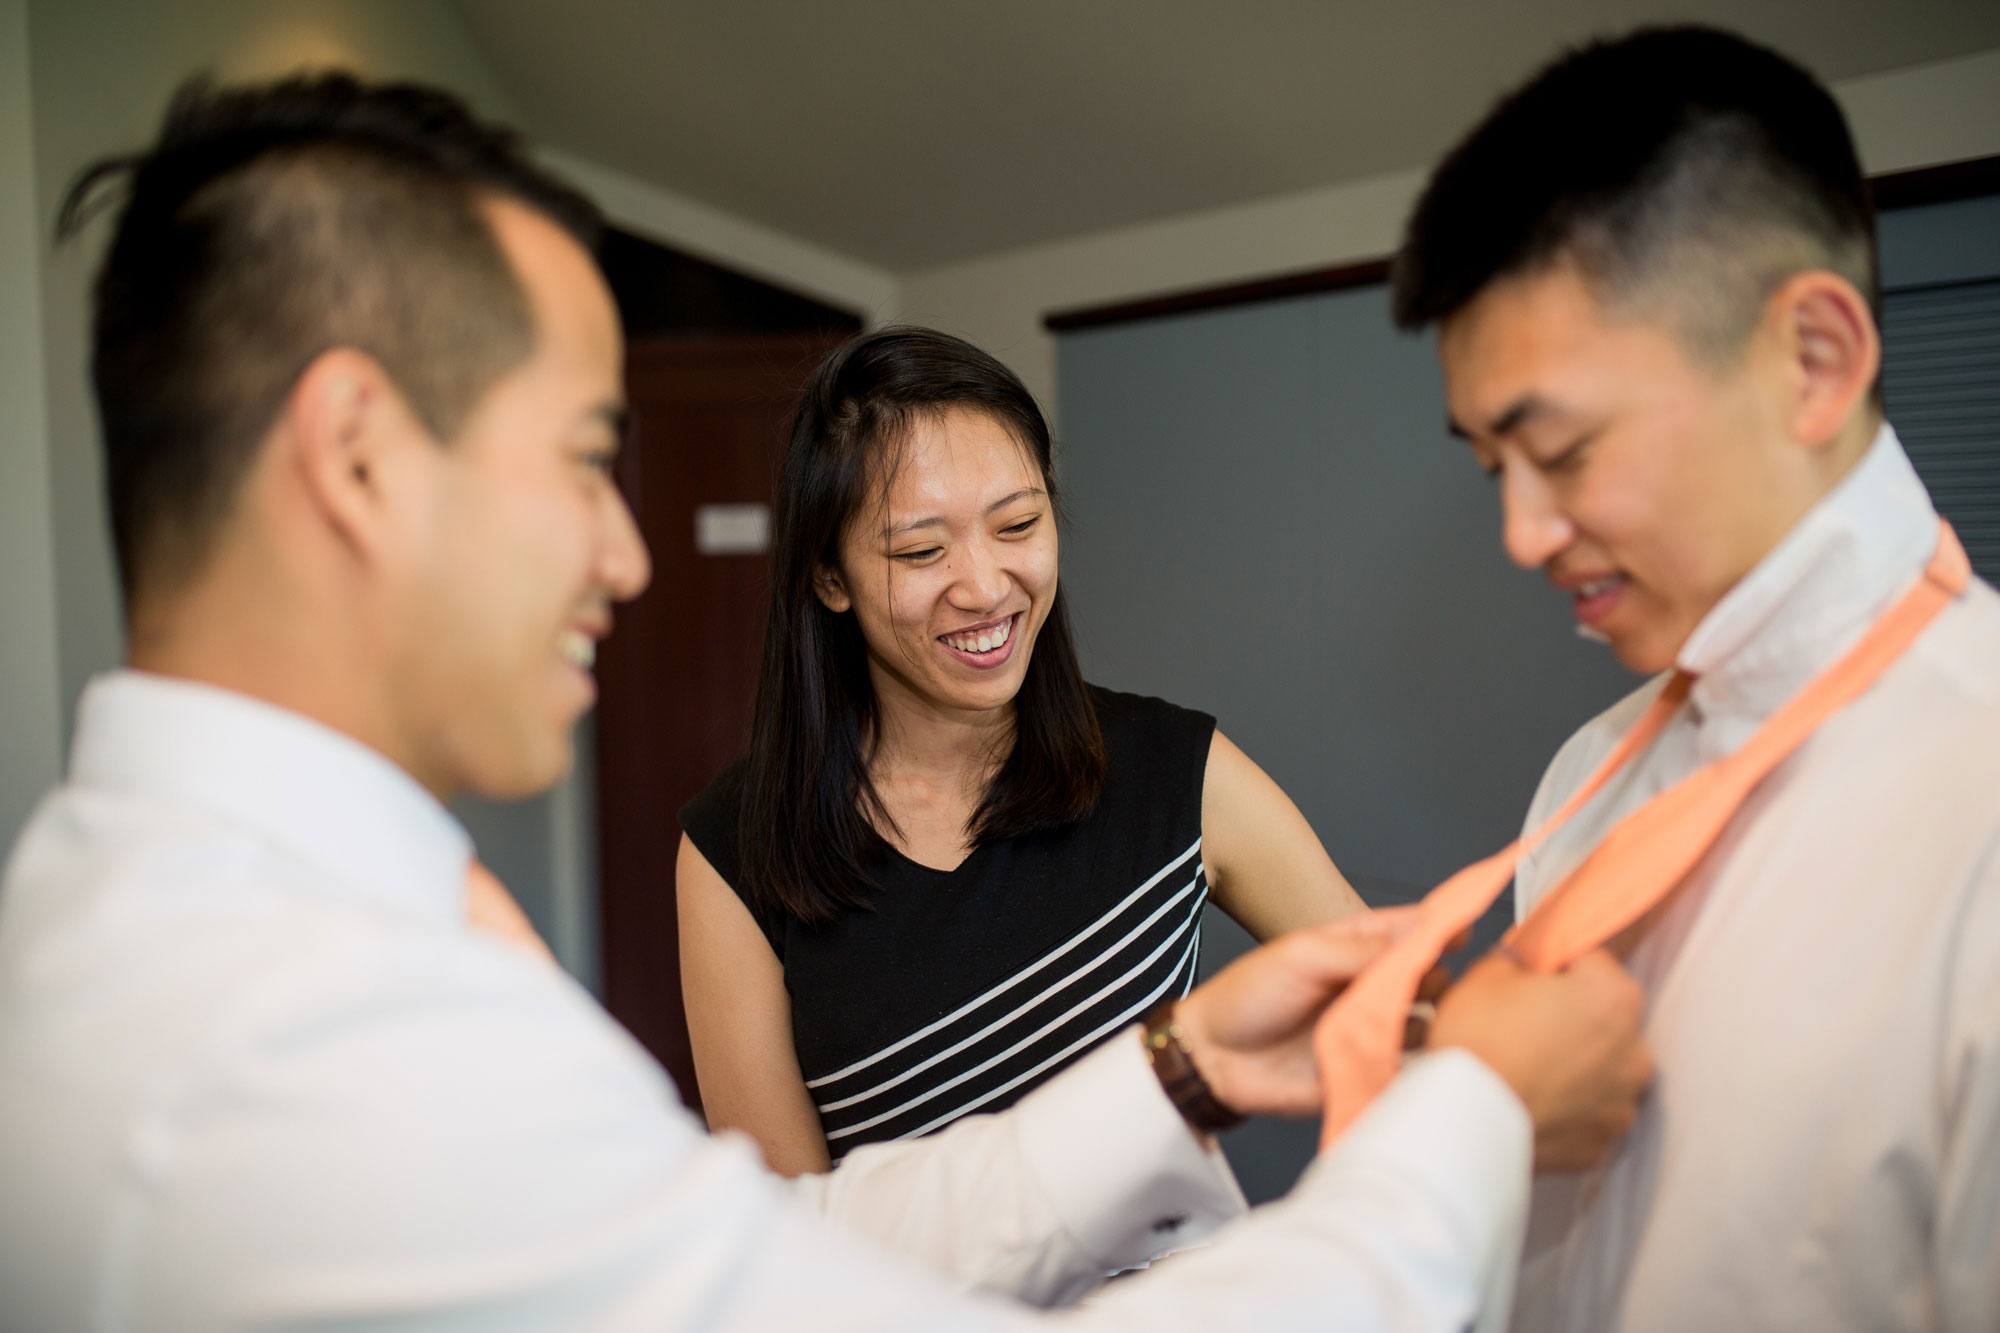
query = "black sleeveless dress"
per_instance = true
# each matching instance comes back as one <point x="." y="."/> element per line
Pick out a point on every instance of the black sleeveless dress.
<point x="963" y="990"/>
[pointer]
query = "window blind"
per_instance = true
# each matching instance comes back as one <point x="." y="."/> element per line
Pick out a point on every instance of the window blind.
<point x="1941" y="388"/>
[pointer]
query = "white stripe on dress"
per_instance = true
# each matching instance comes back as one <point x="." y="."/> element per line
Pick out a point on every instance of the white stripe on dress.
<point x="1192" y="923"/>
<point x="1091" y="966"/>
<point x="1012" y="981"/>
<point x="1129" y="1017"/>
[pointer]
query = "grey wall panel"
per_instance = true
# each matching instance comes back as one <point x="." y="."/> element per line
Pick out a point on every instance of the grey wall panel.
<point x="1271" y="523"/>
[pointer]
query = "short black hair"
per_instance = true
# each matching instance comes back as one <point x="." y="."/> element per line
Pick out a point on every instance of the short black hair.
<point x="267" y="224"/>
<point x="1681" y="166"/>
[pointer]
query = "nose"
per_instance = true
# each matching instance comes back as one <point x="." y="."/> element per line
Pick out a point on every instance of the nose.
<point x="979" y="581"/>
<point x="623" y="565"/>
<point x="1533" y="527"/>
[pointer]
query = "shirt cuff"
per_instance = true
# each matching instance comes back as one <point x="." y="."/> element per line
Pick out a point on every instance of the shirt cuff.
<point x="1126" y="1177"/>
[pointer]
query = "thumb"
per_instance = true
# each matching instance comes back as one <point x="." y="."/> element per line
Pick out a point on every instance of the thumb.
<point x="1344" y="946"/>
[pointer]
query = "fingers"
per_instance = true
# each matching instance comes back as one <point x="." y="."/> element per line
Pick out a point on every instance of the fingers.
<point x="1335" y="951"/>
<point x="1272" y="992"/>
<point x="1390" y="922"/>
<point x="1603" y="969"/>
<point x="1580" y="1129"/>
<point x="1589" y="1136"/>
<point x="1569" y="1045"/>
<point x="1602" y="980"/>
<point x="1249" y="1027"/>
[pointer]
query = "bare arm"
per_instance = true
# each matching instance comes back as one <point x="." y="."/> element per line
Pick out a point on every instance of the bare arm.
<point x="740" y="1023"/>
<point x="1266" y="867"/>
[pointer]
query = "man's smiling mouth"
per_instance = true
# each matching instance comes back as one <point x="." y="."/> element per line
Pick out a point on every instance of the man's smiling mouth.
<point x="579" y="649"/>
<point x="1592" y="599"/>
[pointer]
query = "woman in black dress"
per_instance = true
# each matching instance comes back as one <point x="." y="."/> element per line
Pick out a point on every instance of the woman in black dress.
<point x="948" y="867"/>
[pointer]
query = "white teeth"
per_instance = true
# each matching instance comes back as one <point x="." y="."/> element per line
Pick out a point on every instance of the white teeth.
<point x="579" y="650"/>
<point x="1596" y="586"/>
<point x="985" y="641"/>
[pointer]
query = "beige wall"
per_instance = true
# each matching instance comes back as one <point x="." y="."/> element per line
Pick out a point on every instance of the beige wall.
<point x="30" y="698"/>
<point x="699" y="229"/>
<point x="1940" y="112"/>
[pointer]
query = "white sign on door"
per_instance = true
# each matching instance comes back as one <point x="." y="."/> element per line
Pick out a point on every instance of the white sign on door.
<point x="732" y="529"/>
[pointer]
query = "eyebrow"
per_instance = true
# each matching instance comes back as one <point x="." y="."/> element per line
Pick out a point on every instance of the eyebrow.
<point x="1518" y="414"/>
<point x="994" y="508"/>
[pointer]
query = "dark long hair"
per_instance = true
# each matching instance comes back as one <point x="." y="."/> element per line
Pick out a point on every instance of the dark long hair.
<point x="810" y="812"/>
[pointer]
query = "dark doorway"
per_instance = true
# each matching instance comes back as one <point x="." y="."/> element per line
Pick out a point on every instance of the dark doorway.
<point x="715" y="363"/>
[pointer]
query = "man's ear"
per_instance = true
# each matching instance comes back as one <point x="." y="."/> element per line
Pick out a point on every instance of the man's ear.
<point x="346" y="427"/>
<point x="1832" y="351"/>
<point x="831" y="589"/>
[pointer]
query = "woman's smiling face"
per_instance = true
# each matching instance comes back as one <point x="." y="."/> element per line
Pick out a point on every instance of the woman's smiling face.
<point x="952" y="572"/>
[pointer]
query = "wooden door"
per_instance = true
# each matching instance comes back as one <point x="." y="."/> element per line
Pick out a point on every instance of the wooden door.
<point x="678" y="676"/>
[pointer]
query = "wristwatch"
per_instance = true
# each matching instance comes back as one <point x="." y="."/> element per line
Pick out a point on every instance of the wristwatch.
<point x="1173" y="1064"/>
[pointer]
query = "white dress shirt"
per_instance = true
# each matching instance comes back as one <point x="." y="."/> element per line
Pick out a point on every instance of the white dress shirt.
<point x="1822" y="1149"/>
<point x="255" y="1071"/>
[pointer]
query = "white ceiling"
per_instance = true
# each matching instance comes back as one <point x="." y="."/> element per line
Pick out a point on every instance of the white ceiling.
<point x="913" y="132"/>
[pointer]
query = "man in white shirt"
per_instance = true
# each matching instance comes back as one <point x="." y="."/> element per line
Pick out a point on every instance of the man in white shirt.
<point x="360" y="386"/>
<point x="1653" y="274"/>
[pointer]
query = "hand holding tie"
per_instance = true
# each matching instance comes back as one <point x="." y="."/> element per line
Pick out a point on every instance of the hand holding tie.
<point x="1568" y="1043"/>
<point x="1249" y="1028"/>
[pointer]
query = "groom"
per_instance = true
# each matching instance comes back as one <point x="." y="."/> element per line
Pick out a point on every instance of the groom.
<point x="1652" y="271"/>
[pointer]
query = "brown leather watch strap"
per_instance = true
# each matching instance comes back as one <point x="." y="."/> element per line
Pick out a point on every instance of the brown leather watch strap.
<point x="1173" y="1065"/>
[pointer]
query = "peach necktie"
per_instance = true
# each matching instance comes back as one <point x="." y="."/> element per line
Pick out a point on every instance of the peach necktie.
<point x="1644" y="856"/>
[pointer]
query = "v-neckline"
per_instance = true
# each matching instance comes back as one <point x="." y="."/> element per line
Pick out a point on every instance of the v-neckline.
<point x="912" y="861"/>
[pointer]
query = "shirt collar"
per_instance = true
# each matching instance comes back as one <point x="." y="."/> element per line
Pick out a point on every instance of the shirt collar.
<point x="1815" y="594"/>
<point x="311" y="792"/>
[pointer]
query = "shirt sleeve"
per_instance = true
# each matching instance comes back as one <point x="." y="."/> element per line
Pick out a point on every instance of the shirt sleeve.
<point x="458" y="1138"/>
<point x="1091" y="1173"/>
<point x="1411" y="1221"/>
